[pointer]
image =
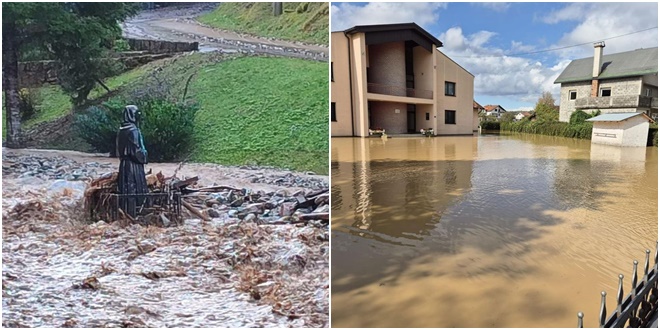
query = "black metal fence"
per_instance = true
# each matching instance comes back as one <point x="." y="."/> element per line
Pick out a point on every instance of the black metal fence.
<point x="638" y="308"/>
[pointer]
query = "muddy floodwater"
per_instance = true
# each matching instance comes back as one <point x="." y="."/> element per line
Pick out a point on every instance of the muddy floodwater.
<point x="485" y="231"/>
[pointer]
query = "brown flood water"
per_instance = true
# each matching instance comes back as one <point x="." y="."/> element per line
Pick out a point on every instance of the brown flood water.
<point x="488" y="231"/>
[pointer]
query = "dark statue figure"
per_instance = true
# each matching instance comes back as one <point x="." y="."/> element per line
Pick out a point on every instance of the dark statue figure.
<point x="133" y="156"/>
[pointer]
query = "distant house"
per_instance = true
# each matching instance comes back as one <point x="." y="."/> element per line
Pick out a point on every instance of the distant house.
<point x="494" y="110"/>
<point x="523" y="114"/>
<point x="476" y="110"/>
<point x="616" y="83"/>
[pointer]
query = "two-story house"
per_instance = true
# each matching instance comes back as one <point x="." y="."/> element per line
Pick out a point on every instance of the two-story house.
<point x="494" y="110"/>
<point x="615" y="83"/>
<point x="393" y="77"/>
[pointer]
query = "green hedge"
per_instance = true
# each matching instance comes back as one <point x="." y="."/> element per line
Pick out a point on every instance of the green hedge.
<point x="493" y="125"/>
<point x="554" y="128"/>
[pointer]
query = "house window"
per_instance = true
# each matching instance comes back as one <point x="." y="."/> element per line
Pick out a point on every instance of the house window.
<point x="332" y="72"/>
<point x="450" y="117"/>
<point x="647" y="92"/>
<point x="605" y="92"/>
<point x="572" y="95"/>
<point x="428" y="116"/>
<point x="333" y="112"/>
<point x="450" y="88"/>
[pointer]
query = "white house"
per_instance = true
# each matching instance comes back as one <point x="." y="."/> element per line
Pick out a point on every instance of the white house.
<point x="629" y="129"/>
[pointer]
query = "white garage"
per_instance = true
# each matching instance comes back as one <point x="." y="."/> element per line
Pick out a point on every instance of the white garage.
<point x="621" y="129"/>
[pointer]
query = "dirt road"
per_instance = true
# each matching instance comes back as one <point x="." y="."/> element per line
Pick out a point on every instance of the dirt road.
<point x="179" y="24"/>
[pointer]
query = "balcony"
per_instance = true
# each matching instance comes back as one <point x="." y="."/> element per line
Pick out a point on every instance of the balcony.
<point x="618" y="101"/>
<point x="399" y="91"/>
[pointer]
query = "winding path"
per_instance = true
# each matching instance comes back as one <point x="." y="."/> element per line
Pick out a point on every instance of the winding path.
<point x="179" y="24"/>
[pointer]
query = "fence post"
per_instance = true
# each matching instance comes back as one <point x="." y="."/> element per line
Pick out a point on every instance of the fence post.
<point x="580" y="317"/>
<point x="619" y="296"/>
<point x="603" y="309"/>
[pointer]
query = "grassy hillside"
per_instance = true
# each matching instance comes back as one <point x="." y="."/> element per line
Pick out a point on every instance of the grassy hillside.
<point x="300" y="21"/>
<point x="253" y="110"/>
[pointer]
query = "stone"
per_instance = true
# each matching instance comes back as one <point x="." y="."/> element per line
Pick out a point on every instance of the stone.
<point x="213" y="213"/>
<point x="250" y="217"/>
<point x="255" y="208"/>
<point x="287" y="208"/>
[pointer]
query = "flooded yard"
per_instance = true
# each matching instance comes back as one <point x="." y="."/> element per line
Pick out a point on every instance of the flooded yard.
<point x="487" y="231"/>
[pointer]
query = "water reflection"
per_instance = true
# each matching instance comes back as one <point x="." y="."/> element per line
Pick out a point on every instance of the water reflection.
<point x="535" y="226"/>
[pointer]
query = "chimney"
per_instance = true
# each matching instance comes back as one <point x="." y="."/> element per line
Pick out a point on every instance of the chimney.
<point x="598" y="63"/>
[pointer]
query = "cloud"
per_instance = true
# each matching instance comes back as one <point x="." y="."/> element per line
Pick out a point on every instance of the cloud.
<point x="346" y="15"/>
<point x="518" y="78"/>
<point x="598" y="21"/>
<point x="496" y="6"/>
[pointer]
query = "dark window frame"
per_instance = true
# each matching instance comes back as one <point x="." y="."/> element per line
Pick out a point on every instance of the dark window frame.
<point x="450" y="83"/>
<point x="428" y="116"/>
<point x="333" y="112"/>
<point x="572" y="95"/>
<point x="453" y="117"/>
<point x="608" y="89"/>
<point x="332" y="72"/>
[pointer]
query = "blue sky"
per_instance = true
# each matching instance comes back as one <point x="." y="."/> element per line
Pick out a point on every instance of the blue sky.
<point x="492" y="39"/>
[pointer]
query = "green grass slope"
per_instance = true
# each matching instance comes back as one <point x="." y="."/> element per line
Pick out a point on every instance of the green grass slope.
<point x="266" y="111"/>
<point x="300" y="21"/>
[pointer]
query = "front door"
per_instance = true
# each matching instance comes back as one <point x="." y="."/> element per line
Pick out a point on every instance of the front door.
<point x="411" y="118"/>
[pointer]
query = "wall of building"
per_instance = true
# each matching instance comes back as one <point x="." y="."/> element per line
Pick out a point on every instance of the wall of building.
<point x="628" y="133"/>
<point x="340" y="92"/>
<point x="421" y="122"/>
<point x="387" y="66"/>
<point x="423" y="68"/>
<point x="359" y="64"/>
<point x="636" y="131"/>
<point x="449" y="70"/>
<point x="566" y="106"/>
<point x="385" y="115"/>
<point x="607" y="133"/>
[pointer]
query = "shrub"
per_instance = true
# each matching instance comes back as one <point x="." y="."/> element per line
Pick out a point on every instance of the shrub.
<point x="579" y="117"/>
<point x="28" y="100"/>
<point x="492" y="125"/>
<point x="167" y="127"/>
<point x="555" y="128"/>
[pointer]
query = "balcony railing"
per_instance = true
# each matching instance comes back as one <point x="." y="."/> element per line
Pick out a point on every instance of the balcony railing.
<point x="399" y="91"/>
<point x="618" y="101"/>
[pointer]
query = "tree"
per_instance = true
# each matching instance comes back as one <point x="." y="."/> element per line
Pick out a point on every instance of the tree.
<point x="76" y="34"/>
<point x="545" y="108"/>
<point x="507" y="117"/>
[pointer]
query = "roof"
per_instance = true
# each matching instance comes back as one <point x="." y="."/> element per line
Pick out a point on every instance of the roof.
<point x="492" y="107"/>
<point x="627" y="64"/>
<point x="395" y="27"/>
<point x="476" y="105"/>
<point x="617" y="116"/>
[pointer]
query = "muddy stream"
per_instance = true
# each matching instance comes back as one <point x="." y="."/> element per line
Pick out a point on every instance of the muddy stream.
<point x="59" y="271"/>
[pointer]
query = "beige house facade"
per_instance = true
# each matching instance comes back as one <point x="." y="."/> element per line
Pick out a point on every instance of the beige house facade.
<point x="393" y="78"/>
<point x="617" y="83"/>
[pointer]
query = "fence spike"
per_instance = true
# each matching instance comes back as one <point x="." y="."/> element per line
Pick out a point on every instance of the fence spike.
<point x="619" y="296"/>
<point x="646" y="263"/>
<point x="634" y="278"/>
<point x="580" y="317"/>
<point x="603" y="308"/>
